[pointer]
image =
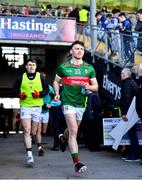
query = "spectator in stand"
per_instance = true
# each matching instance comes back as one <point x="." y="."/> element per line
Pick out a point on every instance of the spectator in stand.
<point x="107" y="30"/>
<point x="107" y="21"/>
<point x="14" y="10"/>
<point x="101" y="25"/>
<point x="26" y="10"/>
<point x="114" y="29"/>
<point x="34" y="11"/>
<point x="138" y="28"/>
<point x="125" y="26"/>
<point x="104" y="10"/>
<point x="115" y="20"/>
<point x="129" y="89"/>
<point x="48" y="9"/>
<point x="100" y="19"/>
<point x="75" y="14"/>
<point x="48" y="6"/>
<point x="6" y="11"/>
<point x="43" y="6"/>
<point x="68" y="11"/>
<point x="83" y="15"/>
<point x="83" y="21"/>
<point x="58" y="11"/>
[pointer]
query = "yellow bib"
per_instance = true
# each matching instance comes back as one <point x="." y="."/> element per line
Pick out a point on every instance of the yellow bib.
<point x="28" y="86"/>
<point x="83" y="15"/>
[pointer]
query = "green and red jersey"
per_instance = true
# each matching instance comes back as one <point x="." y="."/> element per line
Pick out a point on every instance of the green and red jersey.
<point x="73" y="77"/>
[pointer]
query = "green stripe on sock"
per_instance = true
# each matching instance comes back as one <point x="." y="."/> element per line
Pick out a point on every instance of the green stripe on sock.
<point x="74" y="155"/>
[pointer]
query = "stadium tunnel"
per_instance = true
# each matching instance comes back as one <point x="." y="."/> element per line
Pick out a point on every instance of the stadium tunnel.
<point x="11" y="64"/>
<point x="12" y="58"/>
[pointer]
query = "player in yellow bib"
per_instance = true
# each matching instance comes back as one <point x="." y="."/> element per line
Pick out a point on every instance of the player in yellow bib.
<point x="31" y="87"/>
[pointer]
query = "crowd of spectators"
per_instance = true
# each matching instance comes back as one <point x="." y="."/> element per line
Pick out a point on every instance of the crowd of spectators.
<point x="122" y="32"/>
<point x="45" y="9"/>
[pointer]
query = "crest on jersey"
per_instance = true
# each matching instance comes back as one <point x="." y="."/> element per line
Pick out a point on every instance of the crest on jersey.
<point x="86" y="71"/>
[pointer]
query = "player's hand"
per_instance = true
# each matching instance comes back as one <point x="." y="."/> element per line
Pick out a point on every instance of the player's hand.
<point x="35" y="94"/>
<point x="22" y="96"/>
<point x="85" y="85"/>
<point x="48" y="105"/>
<point x="57" y="97"/>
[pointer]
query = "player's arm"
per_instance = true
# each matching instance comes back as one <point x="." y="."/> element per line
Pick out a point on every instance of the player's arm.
<point x="56" y="86"/>
<point x="93" y="85"/>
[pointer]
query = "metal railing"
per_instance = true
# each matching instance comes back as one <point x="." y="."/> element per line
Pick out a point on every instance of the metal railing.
<point x="113" y="46"/>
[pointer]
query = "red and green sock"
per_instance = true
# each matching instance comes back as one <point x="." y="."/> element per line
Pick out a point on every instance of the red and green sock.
<point x="75" y="158"/>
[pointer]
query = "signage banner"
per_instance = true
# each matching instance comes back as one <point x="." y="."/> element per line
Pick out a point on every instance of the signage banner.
<point x="111" y="85"/>
<point x="37" y="28"/>
<point x="109" y="124"/>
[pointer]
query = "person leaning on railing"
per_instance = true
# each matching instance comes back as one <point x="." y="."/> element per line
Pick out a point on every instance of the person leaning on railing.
<point x="125" y="29"/>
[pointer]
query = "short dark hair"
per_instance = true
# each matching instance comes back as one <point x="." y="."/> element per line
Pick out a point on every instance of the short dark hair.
<point x="122" y="14"/>
<point x="77" y="42"/>
<point x="98" y="14"/>
<point x="31" y="60"/>
<point x="139" y="11"/>
<point x="115" y="10"/>
<point x="109" y="15"/>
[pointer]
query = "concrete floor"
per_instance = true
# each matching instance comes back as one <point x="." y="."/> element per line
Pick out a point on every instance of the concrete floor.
<point x="105" y="164"/>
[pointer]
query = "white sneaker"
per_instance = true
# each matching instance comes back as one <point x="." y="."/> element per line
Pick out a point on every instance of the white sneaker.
<point x="30" y="161"/>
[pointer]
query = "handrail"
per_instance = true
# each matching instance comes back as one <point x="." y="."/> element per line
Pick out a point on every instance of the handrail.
<point x="123" y="45"/>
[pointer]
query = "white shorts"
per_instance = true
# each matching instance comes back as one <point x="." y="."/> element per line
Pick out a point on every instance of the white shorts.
<point x="67" y="109"/>
<point x="44" y="117"/>
<point x="30" y="112"/>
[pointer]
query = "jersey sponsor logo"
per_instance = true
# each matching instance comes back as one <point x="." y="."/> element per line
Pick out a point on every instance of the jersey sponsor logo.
<point x="76" y="80"/>
<point x="69" y="71"/>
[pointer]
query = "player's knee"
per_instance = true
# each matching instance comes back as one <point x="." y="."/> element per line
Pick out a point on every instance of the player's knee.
<point x="73" y="131"/>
